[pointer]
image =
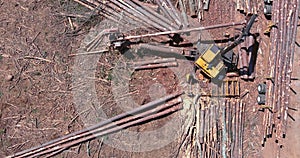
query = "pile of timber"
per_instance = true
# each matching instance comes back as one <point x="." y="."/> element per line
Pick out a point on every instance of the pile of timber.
<point x="147" y="112"/>
<point x="283" y="35"/>
<point x="221" y="128"/>
<point x="247" y="6"/>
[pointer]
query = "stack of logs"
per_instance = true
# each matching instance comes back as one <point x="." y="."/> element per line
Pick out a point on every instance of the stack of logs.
<point x="147" y="112"/>
<point x="135" y="13"/>
<point x="192" y="8"/>
<point x="283" y="35"/>
<point x="247" y="6"/>
<point x="247" y="56"/>
<point x="221" y="128"/>
<point x="152" y="64"/>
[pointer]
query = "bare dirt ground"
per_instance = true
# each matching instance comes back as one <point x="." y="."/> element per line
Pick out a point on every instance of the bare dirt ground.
<point x="36" y="102"/>
<point x="35" y="96"/>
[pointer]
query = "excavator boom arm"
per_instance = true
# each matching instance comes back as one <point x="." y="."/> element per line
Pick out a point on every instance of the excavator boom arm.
<point x="241" y="38"/>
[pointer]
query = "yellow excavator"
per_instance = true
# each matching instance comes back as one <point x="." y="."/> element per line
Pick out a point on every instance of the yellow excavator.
<point x="214" y="61"/>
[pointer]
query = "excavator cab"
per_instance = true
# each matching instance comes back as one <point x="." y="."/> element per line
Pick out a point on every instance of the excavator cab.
<point x="211" y="62"/>
<point x="215" y="62"/>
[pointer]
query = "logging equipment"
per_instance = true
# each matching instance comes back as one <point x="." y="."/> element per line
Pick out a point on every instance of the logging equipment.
<point x="215" y="62"/>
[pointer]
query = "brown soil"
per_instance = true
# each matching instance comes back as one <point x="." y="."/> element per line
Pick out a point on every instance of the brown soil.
<point x="36" y="101"/>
